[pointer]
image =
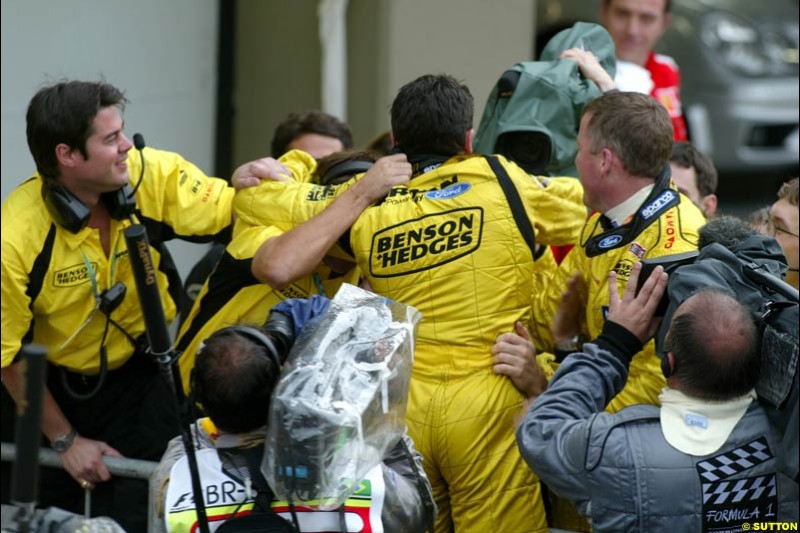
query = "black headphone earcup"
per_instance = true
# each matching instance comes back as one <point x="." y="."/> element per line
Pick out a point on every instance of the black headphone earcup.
<point x="71" y="213"/>
<point x="120" y="203"/>
<point x="665" y="369"/>
<point x="66" y="209"/>
<point x="195" y="391"/>
<point x="345" y="168"/>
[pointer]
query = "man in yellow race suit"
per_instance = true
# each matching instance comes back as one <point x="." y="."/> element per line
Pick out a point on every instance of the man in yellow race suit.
<point x="63" y="254"/>
<point x="624" y="145"/>
<point x="449" y="244"/>
<point x="264" y="265"/>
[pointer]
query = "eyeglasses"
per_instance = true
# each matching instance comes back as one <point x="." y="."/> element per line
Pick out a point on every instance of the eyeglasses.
<point x="774" y="229"/>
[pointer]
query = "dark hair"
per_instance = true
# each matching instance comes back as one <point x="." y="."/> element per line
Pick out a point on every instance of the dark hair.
<point x="759" y="219"/>
<point x="64" y="113"/>
<point x="789" y="191"/>
<point x="729" y="231"/>
<point x="233" y="379"/>
<point x="635" y="127"/>
<point x="715" y="344"/>
<point x="325" y="166"/>
<point x="687" y="156"/>
<point x="667" y="5"/>
<point x="317" y="122"/>
<point x="432" y="115"/>
<point x="381" y="144"/>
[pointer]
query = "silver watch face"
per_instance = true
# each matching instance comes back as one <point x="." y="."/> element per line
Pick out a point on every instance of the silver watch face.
<point x="62" y="444"/>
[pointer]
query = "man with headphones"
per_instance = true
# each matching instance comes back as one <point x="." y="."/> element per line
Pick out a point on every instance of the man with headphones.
<point x="67" y="284"/>
<point x="704" y="461"/>
<point x="236" y="372"/>
<point x="264" y="265"/>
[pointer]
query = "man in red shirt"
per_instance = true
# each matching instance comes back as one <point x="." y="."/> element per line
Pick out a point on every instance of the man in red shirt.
<point x="635" y="26"/>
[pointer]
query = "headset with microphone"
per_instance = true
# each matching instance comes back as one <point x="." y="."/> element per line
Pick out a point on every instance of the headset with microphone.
<point x="71" y="213"/>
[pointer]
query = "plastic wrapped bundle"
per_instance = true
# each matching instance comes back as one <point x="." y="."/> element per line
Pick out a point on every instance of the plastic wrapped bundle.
<point x="341" y="401"/>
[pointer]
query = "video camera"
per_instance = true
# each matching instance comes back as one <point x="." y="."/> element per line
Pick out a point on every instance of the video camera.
<point x="749" y="266"/>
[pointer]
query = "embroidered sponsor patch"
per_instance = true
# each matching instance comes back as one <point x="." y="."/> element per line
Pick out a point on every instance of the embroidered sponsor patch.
<point x="425" y="242"/>
<point x="658" y="205"/>
<point x="450" y="192"/>
<point x="609" y="241"/>
<point x="623" y="269"/>
<point x="294" y="291"/>
<point x="729" y="503"/>
<point x="319" y="193"/>
<point x="196" y="186"/>
<point x="72" y="275"/>
<point x="638" y="250"/>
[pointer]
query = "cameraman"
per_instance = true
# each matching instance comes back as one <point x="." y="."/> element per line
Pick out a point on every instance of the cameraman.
<point x="704" y="460"/>
<point x="234" y="379"/>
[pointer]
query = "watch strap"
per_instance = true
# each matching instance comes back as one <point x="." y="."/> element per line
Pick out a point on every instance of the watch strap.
<point x="62" y="443"/>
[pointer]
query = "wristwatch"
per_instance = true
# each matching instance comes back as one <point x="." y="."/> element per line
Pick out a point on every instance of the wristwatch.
<point x="62" y="443"/>
<point x="568" y="345"/>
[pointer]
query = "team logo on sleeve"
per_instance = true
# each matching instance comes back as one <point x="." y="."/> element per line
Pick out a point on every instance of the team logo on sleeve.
<point x="320" y="193"/>
<point x="425" y="242"/>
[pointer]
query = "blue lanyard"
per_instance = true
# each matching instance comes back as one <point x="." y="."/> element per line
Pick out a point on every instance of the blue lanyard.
<point x="318" y="284"/>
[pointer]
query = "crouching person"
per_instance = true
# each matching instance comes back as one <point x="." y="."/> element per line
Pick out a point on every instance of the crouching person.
<point x="236" y="372"/>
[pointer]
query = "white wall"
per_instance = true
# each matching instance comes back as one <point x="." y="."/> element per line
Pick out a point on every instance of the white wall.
<point x="474" y="41"/>
<point x="163" y="53"/>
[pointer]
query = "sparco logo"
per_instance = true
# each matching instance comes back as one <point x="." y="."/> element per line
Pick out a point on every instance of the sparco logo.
<point x="73" y="275"/>
<point x="425" y="242"/>
<point x="658" y="204"/>
<point x="144" y="255"/>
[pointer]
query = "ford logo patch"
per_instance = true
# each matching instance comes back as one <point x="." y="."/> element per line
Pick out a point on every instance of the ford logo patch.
<point x="450" y="192"/>
<point x="610" y="241"/>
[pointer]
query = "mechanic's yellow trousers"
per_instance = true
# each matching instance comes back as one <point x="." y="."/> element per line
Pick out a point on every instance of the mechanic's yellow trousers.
<point x="464" y="428"/>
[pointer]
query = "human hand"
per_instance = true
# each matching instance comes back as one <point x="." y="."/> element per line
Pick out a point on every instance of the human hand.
<point x="635" y="312"/>
<point x="567" y="320"/>
<point x="84" y="461"/>
<point x="250" y="174"/>
<point x="387" y="172"/>
<point x="590" y="67"/>
<point x="515" y="357"/>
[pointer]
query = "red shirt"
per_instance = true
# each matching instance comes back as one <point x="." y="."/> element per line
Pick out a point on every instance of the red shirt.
<point x="667" y="89"/>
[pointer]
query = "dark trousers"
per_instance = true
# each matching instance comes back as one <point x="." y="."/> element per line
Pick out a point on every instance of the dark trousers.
<point x="132" y="412"/>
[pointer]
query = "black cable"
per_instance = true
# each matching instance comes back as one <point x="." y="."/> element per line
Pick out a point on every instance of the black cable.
<point x="293" y="512"/>
<point x="101" y="376"/>
<point x="139" y="143"/>
<point x="342" y="519"/>
<point x="116" y="325"/>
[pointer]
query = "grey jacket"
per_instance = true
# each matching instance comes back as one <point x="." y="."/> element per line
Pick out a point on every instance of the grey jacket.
<point x="622" y="473"/>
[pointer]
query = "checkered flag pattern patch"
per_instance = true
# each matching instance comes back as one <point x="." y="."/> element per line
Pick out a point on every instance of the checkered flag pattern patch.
<point x="735" y="461"/>
<point x="742" y="490"/>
